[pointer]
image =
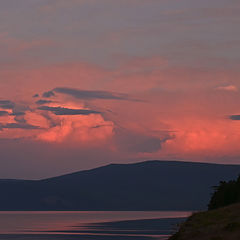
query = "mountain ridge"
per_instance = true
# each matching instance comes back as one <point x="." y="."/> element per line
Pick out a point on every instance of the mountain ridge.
<point x="134" y="164"/>
<point x="148" y="185"/>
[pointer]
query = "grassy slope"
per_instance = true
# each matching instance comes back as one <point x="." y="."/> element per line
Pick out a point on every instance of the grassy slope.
<point x="219" y="224"/>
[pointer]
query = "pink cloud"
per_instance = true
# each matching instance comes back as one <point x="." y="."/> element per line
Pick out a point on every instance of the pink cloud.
<point x="179" y="109"/>
<point x="228" y="88"/>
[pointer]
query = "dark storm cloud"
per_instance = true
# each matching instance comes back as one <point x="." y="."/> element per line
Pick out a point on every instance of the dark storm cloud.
<point x="3" y="102"/>
<point x="87" y="94"/>
<point x="99" y="126"/>
<point x="53" y="122"/>
<point x="20" y="119"/>
<point x="6" y="104"/>
<point x="35" y="95"/>
<point x="48" y="94"/>
<point x="41" y="102"/>
<point x="235" y="117"/>
<point x="18" y="126"/>
<point x="17" y="114"/>
<point x="3" y="113"/>
<point x="67" y="111"/>
<point x="139" y="143"/>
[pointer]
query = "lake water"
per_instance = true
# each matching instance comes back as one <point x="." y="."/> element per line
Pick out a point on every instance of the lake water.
<point x="89" y="225"/>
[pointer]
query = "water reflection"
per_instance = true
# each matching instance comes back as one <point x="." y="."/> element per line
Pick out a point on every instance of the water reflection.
<point x="74" y="237"/>
<point x="89" y="225"/>
<point x="149" y="227"/>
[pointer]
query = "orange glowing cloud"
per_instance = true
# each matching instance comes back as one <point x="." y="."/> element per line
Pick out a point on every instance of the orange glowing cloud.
<point x="177" y="109"/>
<point x="79" y="129"/>
<point x="59" y="121"/>
<point x="228" y="88"/>
<point x="206" y="135"/>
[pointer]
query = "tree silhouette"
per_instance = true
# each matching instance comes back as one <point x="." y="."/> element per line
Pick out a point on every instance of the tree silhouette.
<point x="225" y="194"/>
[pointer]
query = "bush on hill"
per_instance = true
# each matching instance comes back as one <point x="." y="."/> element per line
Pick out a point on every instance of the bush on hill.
<point x="225" y="194"/>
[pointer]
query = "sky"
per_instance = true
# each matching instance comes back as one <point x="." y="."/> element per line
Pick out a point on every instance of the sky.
<point x="84" y="83"/>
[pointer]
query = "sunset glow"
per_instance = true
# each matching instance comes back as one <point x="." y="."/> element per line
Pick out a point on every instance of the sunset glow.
<point x="148" y="84"/>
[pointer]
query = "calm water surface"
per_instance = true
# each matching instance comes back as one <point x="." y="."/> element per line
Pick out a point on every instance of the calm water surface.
<point x="89" y="225"/>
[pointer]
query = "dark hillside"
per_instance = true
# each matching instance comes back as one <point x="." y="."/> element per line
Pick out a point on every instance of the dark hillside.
<point x="151" y="185"/>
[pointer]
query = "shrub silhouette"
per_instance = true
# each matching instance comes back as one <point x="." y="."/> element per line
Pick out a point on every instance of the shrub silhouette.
<point x="225" y="194"/>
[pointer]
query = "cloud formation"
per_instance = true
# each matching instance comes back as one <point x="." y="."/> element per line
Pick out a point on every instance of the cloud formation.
<point x="20" y="119"/>
<point x="18" y="126"/>
<point x="17" y="114"/>
<point x="3" y="113"/>
<point x="232" y="88"/>
<point x="235" y="117"/>
<point x="48" y="94"/>
<point x="138" y="142"/>
<point x="188" y="77"/>
<point x="42" y="102"/>
<point x="67" y="111"/>
<point x="88" y="94"/>
<point x="6" y="104"/>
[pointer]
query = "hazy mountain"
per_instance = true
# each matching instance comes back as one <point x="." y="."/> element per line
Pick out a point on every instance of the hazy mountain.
<point x="151" y="185"/>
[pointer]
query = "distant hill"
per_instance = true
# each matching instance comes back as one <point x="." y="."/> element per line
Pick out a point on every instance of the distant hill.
<point x="219" y="224"/>
<point x="150" y="185"/>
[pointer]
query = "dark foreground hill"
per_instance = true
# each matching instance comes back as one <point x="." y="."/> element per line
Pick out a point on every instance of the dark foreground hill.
<point x="219" y="224"/>
<point x="151" y="185"/>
